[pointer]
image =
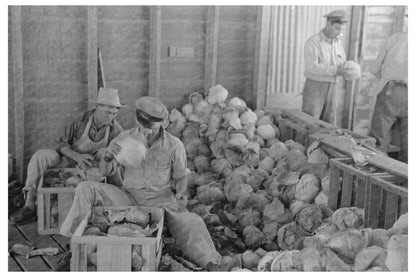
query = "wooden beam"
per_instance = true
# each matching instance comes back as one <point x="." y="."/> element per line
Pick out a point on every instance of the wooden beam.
<point x="399" y="18"/>
<point x="18" y="93"/>
<point x="92" y="55"/>
<point x="211" y="47"/>
<point x="261" y="54"/>
<point x="355" y="50"/>
<point x="155" y="50"/>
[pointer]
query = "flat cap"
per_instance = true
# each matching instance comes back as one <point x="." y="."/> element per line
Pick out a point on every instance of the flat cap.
<point x="152" y="107"/>
<point x="338" y="15"/>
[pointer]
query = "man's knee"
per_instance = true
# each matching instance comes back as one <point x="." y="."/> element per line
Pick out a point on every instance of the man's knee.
<point x="85" y="188"/>
<point x="46" y="155"/>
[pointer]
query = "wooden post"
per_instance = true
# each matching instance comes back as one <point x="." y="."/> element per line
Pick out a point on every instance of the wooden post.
<point x="355" y="49"/>
<point x="17" y="87"/>
<point x="92" y="55"/>
<point x="155" y="50"/>
<point x="211" y="47"/>
<point x="261" y="55"/>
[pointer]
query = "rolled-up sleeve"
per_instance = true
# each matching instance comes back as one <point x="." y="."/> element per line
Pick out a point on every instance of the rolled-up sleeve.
<point x="179" y="164"/>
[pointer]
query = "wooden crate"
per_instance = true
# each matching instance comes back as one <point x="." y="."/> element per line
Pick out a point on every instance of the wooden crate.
<point x="292" y="130"/>
<point x="114" y="253"/>
<point x="385" y="200"/>
<point x="52" y="207"/>
<point x="348" y="183"/>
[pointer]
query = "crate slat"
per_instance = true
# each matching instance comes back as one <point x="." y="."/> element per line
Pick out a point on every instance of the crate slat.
<point x="334" y="187"/>
<point x="113" y="257"/>
<point x="346" y="193"/>
<point x="375" y="206"/>
<point x="47" y="210"/>
<point x="390" y="210"/>
<point x="361" y="191"/>
<point x="64" y="204"/>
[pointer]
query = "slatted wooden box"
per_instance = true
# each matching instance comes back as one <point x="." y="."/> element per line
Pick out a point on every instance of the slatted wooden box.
<point x="349" y="182"/>
<point x="386" y="199"/>
<point x="292" y="130"/>
<point x="53" y="206"/>
<point x="115" y="253"/>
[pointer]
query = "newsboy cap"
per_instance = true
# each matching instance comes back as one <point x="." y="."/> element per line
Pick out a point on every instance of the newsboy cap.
<point x="152" y="107"/>
<point x="337" y="16"/>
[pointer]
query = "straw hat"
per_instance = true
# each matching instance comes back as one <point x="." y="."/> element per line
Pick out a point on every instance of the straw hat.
<point x="108" y="97"/>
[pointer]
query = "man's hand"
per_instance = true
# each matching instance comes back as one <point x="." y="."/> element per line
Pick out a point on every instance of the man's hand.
<point x="340" y="70"/>
<point x="112" y="150"/>
<point x="83" y="160"/>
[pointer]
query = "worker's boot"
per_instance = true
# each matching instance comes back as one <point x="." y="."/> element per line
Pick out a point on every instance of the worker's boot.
<point x="28" y="213"/>
<point x="226" y="264"/>
<point x="24" y="216"/>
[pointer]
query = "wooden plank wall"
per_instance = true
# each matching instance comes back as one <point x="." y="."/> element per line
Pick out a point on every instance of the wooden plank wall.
<point x="124" y="41"/>
<point x="58" y="53"/>
<point x="236" y="51"/>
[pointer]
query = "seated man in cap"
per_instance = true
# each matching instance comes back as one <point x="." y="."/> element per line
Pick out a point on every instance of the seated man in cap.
<point x="159" y="180"/>
<point x="324" y="57"/>
<point x="78" y="147"/>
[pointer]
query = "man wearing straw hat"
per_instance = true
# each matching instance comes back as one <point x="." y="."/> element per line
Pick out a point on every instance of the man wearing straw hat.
<point x="324" y="59"/>
<point x="155" y="177"/>
<point x="84" y="141"/>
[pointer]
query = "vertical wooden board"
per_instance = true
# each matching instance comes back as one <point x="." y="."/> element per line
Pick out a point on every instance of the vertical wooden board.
<point x="361" y="192"/>
<point x="375" y="206"/>
<point x="114" y="257"/>
<point x="75" y="248"/>
<point x="47" y="210"/>
<point x="333" y="187"/>
<point x="403" y="205"/>
<point x="155" y="50"/>
<point x="346" y="194"/>
<point x="64" y="204"/>
<point x="149" y="256"/>
<point x="391" y="209"/>
<point x="92" y="37"/>
<point x="40" y="212"/>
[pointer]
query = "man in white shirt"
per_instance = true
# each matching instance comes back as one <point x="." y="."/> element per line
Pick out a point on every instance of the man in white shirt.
<point x="324" y="57"/>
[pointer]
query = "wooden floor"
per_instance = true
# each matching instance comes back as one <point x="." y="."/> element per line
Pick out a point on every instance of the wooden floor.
<point x="26" y="234"/>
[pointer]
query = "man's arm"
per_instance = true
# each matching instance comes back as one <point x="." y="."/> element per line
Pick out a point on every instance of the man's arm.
<point x="179" y="177"/>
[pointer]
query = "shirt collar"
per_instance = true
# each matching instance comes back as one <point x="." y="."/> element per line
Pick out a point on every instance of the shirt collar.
<point x="326" y="39"/>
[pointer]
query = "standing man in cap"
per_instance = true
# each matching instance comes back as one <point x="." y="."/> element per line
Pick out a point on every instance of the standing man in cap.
<point x="392" y="103"/>
<point x="158" y="181"/>
<point x="324" y="59"/>
<point x="84" y="141"/>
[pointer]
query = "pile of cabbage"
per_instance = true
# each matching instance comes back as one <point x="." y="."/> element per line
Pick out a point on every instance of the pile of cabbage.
<point x="340" y="245"/>
<point x="250" y="188"/>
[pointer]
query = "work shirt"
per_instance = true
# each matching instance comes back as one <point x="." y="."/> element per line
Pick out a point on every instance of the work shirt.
<point x="391" y="62"/>
<point x="165" y="162"/>
<point x="74" y="131"/>
<point x="322" y="57"/>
